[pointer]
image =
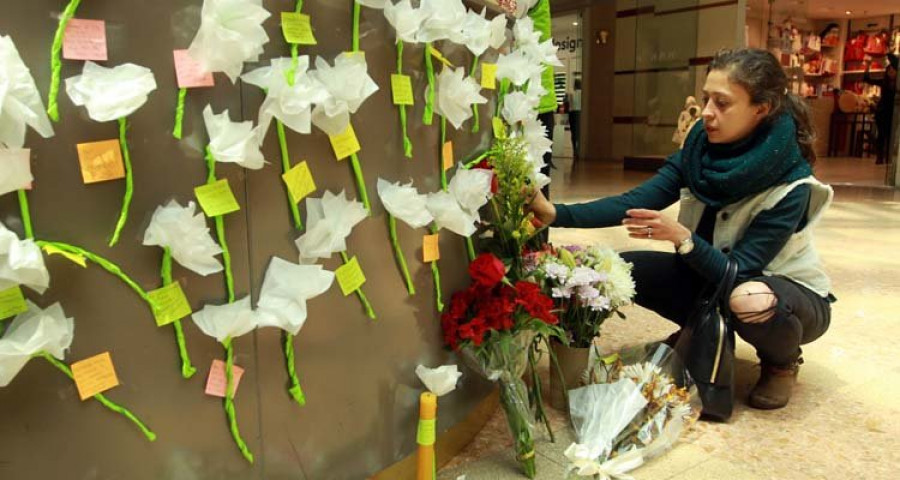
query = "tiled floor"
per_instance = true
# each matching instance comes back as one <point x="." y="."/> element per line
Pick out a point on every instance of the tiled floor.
<point x="844" y="419"/>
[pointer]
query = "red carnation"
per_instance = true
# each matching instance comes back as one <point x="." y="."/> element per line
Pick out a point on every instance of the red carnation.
<point x="487" y="270"/>
<point x="495" y="183"/>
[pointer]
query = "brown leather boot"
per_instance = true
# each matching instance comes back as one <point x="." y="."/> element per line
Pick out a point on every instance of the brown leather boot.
<point x="773" y="390"/>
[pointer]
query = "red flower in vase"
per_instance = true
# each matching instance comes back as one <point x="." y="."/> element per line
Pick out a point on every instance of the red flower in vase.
<point x="474" y="330"/>
<point x="487" y="270"/>
<point x="538" y="305"/>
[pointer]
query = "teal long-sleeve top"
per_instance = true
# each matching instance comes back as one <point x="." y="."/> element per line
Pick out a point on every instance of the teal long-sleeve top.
<point x="764" y="238"/>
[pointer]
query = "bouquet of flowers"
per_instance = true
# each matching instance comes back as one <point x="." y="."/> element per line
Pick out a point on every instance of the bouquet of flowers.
<point x="492" y="324"/>
<point x="588" y="285"/>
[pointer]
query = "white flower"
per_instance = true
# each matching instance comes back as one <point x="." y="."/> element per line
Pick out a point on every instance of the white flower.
<point x="477" y="32"/>
<point x="233" y="142"/>
<point x="524" y="33"/>
<point x="21" y="263"/>
<point x="441" y="380"/>
<point x="517" y="67"/>
<point x="292" y="104"/>
<point x="379" y="4"/>
<point x="583" y="276"/>
<point x="405" y="19"/>
<point x="111" y="93"/>
<point x="471" y="187"/>
<point x="587" y="293"/>
<point x="544" y="53"/>
<point x="16" y="171"/>
<point x="348" y="85"/>
<point x="523" y="6"/>
<point x="404" y="202"/>
<point x="185" y="233"/>
<point x="556" y="271"/>
<point x="562" y="292"/>
<point x="229" y="321"/>
<point x="599" y="304"/>
<point x="456" y="92"/>
<point x="330" y="220"/>
<point x="443" y="21"/>
<point x="20" y="102"/>
<point x="33" y="332"/>
<point x="230" y="34"/>
<point x="583" y="459"/>
<point x="518" y="107"/>
<point x="285" y="291"/>
<point x="498" y="32"/>
<point x="448" y="214"/>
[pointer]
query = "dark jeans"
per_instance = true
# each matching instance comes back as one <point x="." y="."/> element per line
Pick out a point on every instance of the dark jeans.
<point x="670" y="287"/>
<point x="575" y="129"/>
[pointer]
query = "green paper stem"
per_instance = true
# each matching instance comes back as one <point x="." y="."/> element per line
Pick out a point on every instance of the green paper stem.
<point x="475" y="161"/>
<point x="187" y="370"/>
<point x="428" y="115"/>
<point x="441" y="156"/>
<point x="360" y="182"/>
<point x="295" y="390"/>
<point x="436" y="274"/>
<point x="220" y="229"/>
<point x="359" y="292"/>
<point x="129" y="182"/>
<point x="356" y="9"/>
<point x="229" y="401"/>
<point x="179" y="113"/>
<point x="470" y="248"/>
<point x="286" y="166"/>
<point x="398" y="254"/>
<point x="407" y="143"/>
<point x="504" y="89"/>
<point x="289" y="74"/>
<point x="56" y="59"/>
<point x="102" y="398"/>
<point x="476" y="126"/>
<point x="26" y="214"/>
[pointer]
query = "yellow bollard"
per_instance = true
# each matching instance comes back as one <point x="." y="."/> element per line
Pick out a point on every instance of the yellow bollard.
<point x="427" y="466"/>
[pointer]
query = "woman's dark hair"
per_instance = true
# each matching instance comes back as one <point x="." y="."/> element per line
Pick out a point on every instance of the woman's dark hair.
<point x="759" y="72"/>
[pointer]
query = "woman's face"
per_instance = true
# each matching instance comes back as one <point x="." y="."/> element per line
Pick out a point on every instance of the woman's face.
<point x="728" y="114"/>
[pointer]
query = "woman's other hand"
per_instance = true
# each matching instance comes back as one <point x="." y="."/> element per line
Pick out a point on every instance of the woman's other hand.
<point x="542" y="208"/>
<point x="652" y="225"/>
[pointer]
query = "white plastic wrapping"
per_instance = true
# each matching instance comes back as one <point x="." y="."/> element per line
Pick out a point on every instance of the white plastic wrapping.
<point x="455" y="94"/>
<point x="20" y="102"/>
<point x="228" y="321"/>
<point x="285" y="291"/>
<point x="441" y="380"/>
<point x="230" y="34"/>
<point x="292" y="104"/>
<point x="15" y="169"/>
<point x="33" y="332"/>
<point x="330" y="220"/>
<point x="111" y="93"/>
<point x="405" y="202"/>
<point x="233" y="142"/>
<point x="183" y="230"/>
<point x="348" y="85"/>
<point x="443" y="21"/>
<point x="405" y="19"/>
<point x="21" y="263"/>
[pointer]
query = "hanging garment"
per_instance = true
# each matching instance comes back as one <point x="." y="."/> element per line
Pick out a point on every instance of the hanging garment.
<point x="877" y="44"/>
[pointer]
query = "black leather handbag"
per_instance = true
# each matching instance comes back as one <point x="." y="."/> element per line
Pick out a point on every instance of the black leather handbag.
<point x="706" y="345"/>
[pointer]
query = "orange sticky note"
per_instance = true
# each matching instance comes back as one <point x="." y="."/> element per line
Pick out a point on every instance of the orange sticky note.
<point x="189" y="72"/>
<point x="94" y="375"/>
<point x="345" y="144"/>
<point x="101" y="161"/>
<point x="215" y="382"/>
<point x="431" y="249"/>
<point x="85" y="40"/>
<point x="447" y="155"/>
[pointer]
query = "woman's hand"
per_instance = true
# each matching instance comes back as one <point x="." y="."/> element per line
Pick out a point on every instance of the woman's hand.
<point x="542" y="208"/>
<point x="652" y="225"/>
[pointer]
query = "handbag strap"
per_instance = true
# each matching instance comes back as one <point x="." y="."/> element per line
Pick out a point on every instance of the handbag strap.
<point x="722" y="295"/>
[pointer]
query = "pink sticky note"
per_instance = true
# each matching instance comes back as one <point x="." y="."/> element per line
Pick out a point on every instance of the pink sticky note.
<point x="85" y="40"/>
<point x="215" y="383"/>
<point x="189" y="72"/>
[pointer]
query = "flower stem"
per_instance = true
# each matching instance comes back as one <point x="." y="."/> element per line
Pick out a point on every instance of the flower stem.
<point x="179" y="113"/>
<point x="26" y="214"/>
<point x="360" y="182"/>
<point x="220" y="229"/>
<point x="285" y="167"/>
<point x="359" y="292"/>
<point x="398" y="254"/>
<point x="295" y="390"/>
<point x="436" y="274"/>
<point x="407" y="143"/>
<point x="187" y="370"/>
<point x="356" y="9"/>
<point x="129" y="182"/>
<point x="476" y="125"/>
<point x="229" y="401"/>
<point x="428" y="115"/>
<point x="441" y="158"/>
<point x="56" y="60"/>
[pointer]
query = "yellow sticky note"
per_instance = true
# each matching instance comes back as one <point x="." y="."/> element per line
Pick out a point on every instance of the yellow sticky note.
<point x="439" y="56"/>
<point x="431" y="250"/>
<point x="94" y="375"/>
<point x="447" y="155"/>
<point x="73" y="257"/>
<point x="169" y="304"/>
<point x="489" y="76"/>
<point x="216" y="198"/>
<point x="12" y="302"/>
<point x="299" y="181"/>
<point x="345" y="144"/>
<point x="499" y="127"/>
<point x="350" y="276"/>
<point x="427" y="432"/>
<point x="297" y="28"/>
<point x="401" y="89"/>
<point x="100" y="161"/>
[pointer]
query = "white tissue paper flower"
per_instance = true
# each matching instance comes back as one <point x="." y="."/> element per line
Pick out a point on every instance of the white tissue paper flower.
<point x="517" y="67"/>
<point x="15" y="173"/>
<point x="523" y="6"/>
<point x="544" y="53"/>
<point x="285" y="291"/>
<point x="477" y="32"/>
<point x="441" y="380"/>
<point x="518" y="107"/>
<point x="405" y="19"/>
<point x="443" y="21"/>
<point x="405" y="202"/>
<point x="348" y="84"/>
<point x="227" y="321"/>
<point x="471" y="187"/>
<point x="292" y="104"/>
<point x="230" y="34"/>
<point x="32" y="332"/>
<point x="524" y="33"/>
<point x="498" y="32"/>
<point x="183" y="230"/>
<point x="450" y="215"/>
<point x="374" y="3"/>
<point x="456" y="92"/>
<point x="21" y="263"/>
<point x="233" y="142"/>
<point x="20" y="103"/>
<point x="330" y="220"/>
<point x="111" y="93"/>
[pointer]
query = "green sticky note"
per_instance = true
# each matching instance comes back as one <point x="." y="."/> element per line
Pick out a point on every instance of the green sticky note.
<point x="169" y="304"/>
<point x="216" y="198"/>
<point x="299" y="181"/>
<point x="12" y="302"/>
<point x="350" y="276"/>
<point x="297" y="28"/>
<point x="401" y="88"/>
<point x="345" y="144"/>
<point x="489" y="76"/>
<point x="499" y="127"/>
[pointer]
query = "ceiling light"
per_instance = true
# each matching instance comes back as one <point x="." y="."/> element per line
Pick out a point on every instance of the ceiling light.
<point x="575" y="23"/>
<point x="848" y="12"/>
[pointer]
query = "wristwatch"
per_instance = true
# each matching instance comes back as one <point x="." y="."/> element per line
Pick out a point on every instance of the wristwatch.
<point x="686" y="245"/>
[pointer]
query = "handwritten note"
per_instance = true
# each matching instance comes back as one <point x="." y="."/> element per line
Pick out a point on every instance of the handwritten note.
<point x="12" y="302"/>
<point x="85" y="40"/>
<point x="345" y="144"/>
<point x="447" y="155"/>
<point x="216" y="381"/>
<point x="94" y="375"/>
<point x="189" y="72"/>
<point x="297" y="28"/>
<point x="489" y="76"/>
<point x="299" y="181"/>
<point x="431" y="250"/>
<point x="73" y="257"/>
<point x="169" y="304"/>
<point x="350" y="276"/>
<point x="216" y="198"/>
<point x="401" y="89"/>
<point x="100" y="161"/>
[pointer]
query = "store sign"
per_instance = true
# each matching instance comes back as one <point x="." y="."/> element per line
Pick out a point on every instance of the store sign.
<point x="568" y="44"/>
